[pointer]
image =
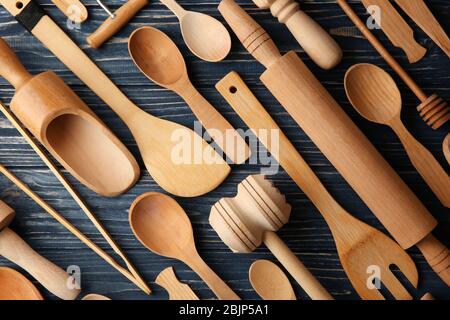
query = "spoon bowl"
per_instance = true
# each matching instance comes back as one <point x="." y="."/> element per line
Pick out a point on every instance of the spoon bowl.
<point x="373" y="93"/>
<point x="157" y="56"/>
<point x="14" y="286"/>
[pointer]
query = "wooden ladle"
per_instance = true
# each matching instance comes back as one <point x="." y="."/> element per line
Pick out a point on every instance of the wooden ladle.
<point x="374" y="94"/>
<point x="157" y="56"/>
<point x="205" y="36"/>
<point x="14" y="286"/>
<point x="163" y="227"/>
<point x="270" y="282"/>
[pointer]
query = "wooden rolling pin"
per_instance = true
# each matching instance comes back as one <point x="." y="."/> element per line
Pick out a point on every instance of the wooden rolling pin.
<point x="114" y="23"/>
<point x="340" y="140"/>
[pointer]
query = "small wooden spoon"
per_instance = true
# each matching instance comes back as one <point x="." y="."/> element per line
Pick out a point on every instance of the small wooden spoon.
<point x="205" y="36"/>
<point x="157" y="56"/>
<point x="270" y="282"/>
<point x="14" y="286"/>
<point x="163" y="227"/>
<point x="374" y="94"/>
<point x="446" y="147"/>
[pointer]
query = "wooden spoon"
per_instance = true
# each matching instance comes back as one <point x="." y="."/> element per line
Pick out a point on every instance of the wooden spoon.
<point x="14" y="286"/>
<point x="446" y="147"/>
<point x="374" y="94"/>
<point x="157" y="56"/>
<point x="270" y="282"/>
<point x="205" y="36"/>
<point x="163" y="227"/>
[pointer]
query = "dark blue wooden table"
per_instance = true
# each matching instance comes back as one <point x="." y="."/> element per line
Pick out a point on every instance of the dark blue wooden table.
<point x="306" y="234"/>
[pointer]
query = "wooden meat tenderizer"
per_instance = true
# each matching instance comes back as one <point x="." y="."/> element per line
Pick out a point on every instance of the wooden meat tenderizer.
<point x="253" y="217"/>
<point x="13" y="248"/>
<point x="341" y="141"/>
<point x="115" y="22"/>
<point x="68" y="129"/>
<point x="316" y="42"/>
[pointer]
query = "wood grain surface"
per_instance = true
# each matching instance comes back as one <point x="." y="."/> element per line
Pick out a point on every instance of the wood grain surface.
<point x="306" y="233"/>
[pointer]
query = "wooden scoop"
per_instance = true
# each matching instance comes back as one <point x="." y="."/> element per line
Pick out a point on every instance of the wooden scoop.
<point x="68" y="129"/>
<point x="374" y="94"/>
<point x="163" y="227"/>
<point x="270" y="282"/>
<point x="14" y="286"/>
<point x="157" y="56"/>
<point x="205" y="36"/>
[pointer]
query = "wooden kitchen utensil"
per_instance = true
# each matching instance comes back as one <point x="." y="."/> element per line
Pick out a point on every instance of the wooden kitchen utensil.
<point x="13" y="248"/>
<point x="73" y="9"/>
<point x="155" y="54"/>
<point x="162" y="226"/>
<point x="359" y="245"/>
<point x="427" y="296"/>
<point x="270" y="282"/>
<point x="177" y="290"/>
<point x="205" y="36"/>
<point x="14" y="286"/>
<point x="374" y="94"/>
<point x="418" y="11"/>
<point x="94" y="296"/>
<point x="446" y="147"/>
<point x="396" y="28"/>
<point x="155" y="137"/>
<point x="133" y="276"/>
<point x="115" y="22"/>
<point x="433" y="110"/>
<point x="341" y="141"/>
<point x="316" y="42"/>
<point x="68" y="129"/>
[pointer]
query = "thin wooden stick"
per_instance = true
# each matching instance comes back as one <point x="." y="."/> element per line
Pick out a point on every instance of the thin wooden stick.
<point x="142" y="285"/>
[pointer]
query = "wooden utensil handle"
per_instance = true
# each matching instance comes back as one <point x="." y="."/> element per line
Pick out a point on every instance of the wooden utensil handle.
<point x="10" y="66"/>
<point x="52" y="277"/>
<point x="425" y="163"/>
<point x="217" y="285"/>
<point x="73" y="9"/>
<point x="295" y="267"/>
<point x="254" y="38"/>
<point x="112" y="25"/>
<point x="437" y="256"/>
<point x="174" y="7"/>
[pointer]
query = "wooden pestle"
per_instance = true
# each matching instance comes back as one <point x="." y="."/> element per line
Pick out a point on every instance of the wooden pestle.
<point x="13" y="248"/>
<point x="340" y="140"/>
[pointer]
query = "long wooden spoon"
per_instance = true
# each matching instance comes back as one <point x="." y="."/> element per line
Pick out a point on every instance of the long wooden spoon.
<point x="14" y="286"/>
<point x="374" y="94"/>
<point x="157" y="56"/>
<point x="163" y="227"/>
<point x="205" y="36"/>
<point x="270" y="282"/>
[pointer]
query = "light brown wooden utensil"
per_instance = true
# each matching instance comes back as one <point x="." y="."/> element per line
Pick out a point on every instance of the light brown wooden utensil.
<point x="427" y="296"/>
<point x="446" y="147"/>
<point x="252" y="218"/>
<point x="114" y="23"/>
<point x="205" y="36"/>
<point x="418" y="11"/>
<point x="94" y="296"/>
<point x="270" y="282"/>
<point x="73" y="9"/>
<point x="433" y="110"/>
<point x="157" y="56"/>
<point x="14" y="286"/>
<point x="162" y="226"/>
<point x="316" y="42"/>
<point x="13" y="248"/>
<point x="359" y="246"/>
<point x="135" y="278"/>
<point x="396" y="29"/>
<point x="154" y="137"/>
<point x="142" y="285"/>
<point x="177" y="290"/>
<point x="68" y="129"/>
<point x="341" y="141"/>
<point x="374" y="94"/>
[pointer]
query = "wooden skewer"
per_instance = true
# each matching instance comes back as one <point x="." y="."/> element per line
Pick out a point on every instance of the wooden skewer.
<point x="138" y="279"/>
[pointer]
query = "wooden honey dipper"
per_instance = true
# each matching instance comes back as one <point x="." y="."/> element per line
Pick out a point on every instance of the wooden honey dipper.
<point x="251" y="218"/>
<point x="433" y="110"/>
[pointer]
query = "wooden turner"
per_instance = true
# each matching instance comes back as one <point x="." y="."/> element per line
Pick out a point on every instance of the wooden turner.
<point x="359" y="245"/>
